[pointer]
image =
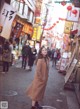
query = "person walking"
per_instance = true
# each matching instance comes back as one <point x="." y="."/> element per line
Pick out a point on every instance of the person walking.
<point x="32" y="57"/>
<point x="25" y="54"/>
<point x="55" y="57"/>
<point x="6" y="56"/>
<point x="36" y="91"/>
<point x="1" y="51"/>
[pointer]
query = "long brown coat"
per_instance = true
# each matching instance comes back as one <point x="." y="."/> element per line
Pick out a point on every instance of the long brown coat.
<point x="37" y="88"/>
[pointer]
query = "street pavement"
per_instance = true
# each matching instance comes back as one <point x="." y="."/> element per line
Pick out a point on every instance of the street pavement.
<point x="13" y="87"/>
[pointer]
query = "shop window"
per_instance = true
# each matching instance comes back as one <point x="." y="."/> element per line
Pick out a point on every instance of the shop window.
<point x="29" y="10"/>
<point x="25" y="13"/>
<point x="21" y="8"/>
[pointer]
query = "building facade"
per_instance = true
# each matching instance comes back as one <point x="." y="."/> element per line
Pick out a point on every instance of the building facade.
<point x="25" y="9"/>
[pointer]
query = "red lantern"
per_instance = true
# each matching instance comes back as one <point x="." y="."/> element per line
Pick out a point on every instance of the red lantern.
<point x="57" y="22"/>
<point x="54" y="24"/>
<point x="63" y="3"/>
<point x="75" y="12"/>
<point x="69" y="8"/>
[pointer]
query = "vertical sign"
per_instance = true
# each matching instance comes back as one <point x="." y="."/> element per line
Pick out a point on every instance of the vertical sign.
<point x="68" y="27"/>
<point x="6" y="18"/>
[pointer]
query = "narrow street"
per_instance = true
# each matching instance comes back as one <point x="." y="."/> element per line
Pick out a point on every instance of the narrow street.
<point x="14" y="84"/>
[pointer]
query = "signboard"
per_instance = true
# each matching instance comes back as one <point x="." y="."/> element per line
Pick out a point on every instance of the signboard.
<point x="6" y="18"/>
<point x="37" y="20"/>
<point x="73" y="15"/>
<point x="27" y="29"/>
<point x="70" y="70"/>
<point x="17" y="29"/>
<point x="37" y="33"/>
<point x="38" y="8"/>
<point x="72" y="63"/>
<point x="34" y="37"/>
<point x="68" y="27"/>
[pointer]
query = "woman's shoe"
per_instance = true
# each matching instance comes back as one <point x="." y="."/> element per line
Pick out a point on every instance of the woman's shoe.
<point x="38" y="106"/>
<point x="33" y="107"/>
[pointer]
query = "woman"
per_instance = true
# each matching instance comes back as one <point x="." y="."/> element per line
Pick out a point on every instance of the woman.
<point x="37" y="88"/>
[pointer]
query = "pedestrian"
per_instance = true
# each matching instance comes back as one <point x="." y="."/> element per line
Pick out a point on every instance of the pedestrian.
<point x="32" y="57"/>
<point x="1" y="52"/>
<point x="11" y="47"/>
<point x="36" y="90"/>
<point x="54" y="61"/>
<point x="49" y="52"/>
<point x="6" y="56"/>
<point x="25" y="54"/>
<point x="58" y="54"/>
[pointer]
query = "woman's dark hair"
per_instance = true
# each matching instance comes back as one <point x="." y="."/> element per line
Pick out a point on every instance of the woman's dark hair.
<point x="40" y="53"/>
<point x="40" y="56"/>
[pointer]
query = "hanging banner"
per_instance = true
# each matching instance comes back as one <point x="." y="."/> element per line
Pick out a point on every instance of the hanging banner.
<point x="34" y="37"/>
<point x="73" y="15"/>
<point x="17" y="29"/>
<point x="27" y="29"/>
<point x="38" y="8"/>
<point x="6" y="18"/>
<point x="68" y="26"/>
<point x="39" y="33"/>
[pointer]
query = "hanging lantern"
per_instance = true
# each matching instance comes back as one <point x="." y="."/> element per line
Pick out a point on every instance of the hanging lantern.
<point x="57" y="22"/>
<point x="63" y="3"/>
<point x="69" y="8"/>
<point x="75" y="12"/>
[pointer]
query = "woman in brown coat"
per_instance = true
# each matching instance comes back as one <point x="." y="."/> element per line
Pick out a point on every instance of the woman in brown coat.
<point x="37" y="88"/>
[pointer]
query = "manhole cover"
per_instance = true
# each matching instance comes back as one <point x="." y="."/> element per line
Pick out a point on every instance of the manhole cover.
<point x="10" y="93"/>
<point x="48" y="107"/>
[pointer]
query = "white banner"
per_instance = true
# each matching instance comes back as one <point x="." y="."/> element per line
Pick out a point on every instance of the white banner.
<point x="6" y="18"/>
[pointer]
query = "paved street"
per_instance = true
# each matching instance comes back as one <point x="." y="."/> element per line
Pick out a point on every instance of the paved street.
<point x="13" y="87"/>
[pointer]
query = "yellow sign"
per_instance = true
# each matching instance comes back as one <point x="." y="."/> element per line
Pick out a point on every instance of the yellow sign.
<point x="37" y="20"/>
<point x="68" y="27"/>
<point x="37" y="33"/>
<point x="27" y="29"/>
<point x="34" y="37"/>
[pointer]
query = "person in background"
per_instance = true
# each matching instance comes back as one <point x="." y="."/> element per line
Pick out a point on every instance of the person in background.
<point x="6" y="56"/>
<point x="26" y="50"/>
<point x="54" y="58"/>
<point x="32" y="57"/>
<point x="11" y="47"/>
<point x="1" y="51"/>
<point x="58" y="54"/>
<point x="49" y="52"/>
<point x="37" y="89"/>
